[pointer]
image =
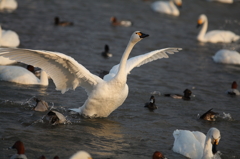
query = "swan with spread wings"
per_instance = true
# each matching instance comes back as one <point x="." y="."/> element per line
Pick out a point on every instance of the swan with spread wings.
<point x="104" y="95"/>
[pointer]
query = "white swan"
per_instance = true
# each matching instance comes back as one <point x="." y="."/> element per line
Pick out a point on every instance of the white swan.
<point x="8" y="38"/>
<point x="81" y="155"/>
<point x="167" y="7"/>
<point x="104" y="95"/>
<point x="221" y="1"/>
<point x="214" y="36"/>
<point x="6" y="61"/>
<point x="8" y="5"/>
<point x="194" y="144"/>
<point x="21" y="75"/>
<point x="227" y="57"/>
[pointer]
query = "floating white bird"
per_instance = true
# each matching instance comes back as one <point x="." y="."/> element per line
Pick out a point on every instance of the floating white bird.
<point x="81" y="155"/>
<point x="195" y="145"/>
<point x="21" y="75"/>
<point x="104" y="95"/>
<point x="221" y="1"/>
<point x="214" y="36"/>
<point x="227" y="57"/>
<point x="167" y="7"/>
<point x="8" y="38"/>
<point x="6" y="61"/>
<point x="8" y="5"/>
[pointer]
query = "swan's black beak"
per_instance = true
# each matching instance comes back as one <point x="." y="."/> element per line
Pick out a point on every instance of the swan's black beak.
<point x="198" y="25"/>
<point x="142" y="35"/>
<point x="214" y="148"/>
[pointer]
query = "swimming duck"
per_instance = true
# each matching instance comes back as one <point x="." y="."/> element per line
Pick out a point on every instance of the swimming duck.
<point x="106" y="52"/>
<point x="195" y="145"/>
<point x="41" y="105"/>
<point x="214" y="36"/>
<point x="20" y="150"/>
<point x="21" y="75"/>
<point x="69" y="74"/>
<point x="8" y="38"/>
<point x="8" y="5"/>
<point x="209" y="115"/>
<point x="167" y="7"/>
<point x="186" y="96"/>
<point x="55" y="117"/>
<point x="227" y="57"/>
<point x="157" y="155"/>
<point x="151" y="104"/>
<point x="115" y="22"/>
<point x="233" y="91"/>
<point x="81" y="155"/>
<point x="62" y="23"/>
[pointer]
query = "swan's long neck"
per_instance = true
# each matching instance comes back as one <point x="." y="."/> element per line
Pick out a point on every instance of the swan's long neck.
<point x="203" y="31"/>
<point x="44" y="78"/>
<point x="207" y="150"/>
<point x="122" y="74"/>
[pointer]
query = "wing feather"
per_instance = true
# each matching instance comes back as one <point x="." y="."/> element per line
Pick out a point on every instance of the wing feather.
<point x="140" y="60"/>
<point x="66" y="72"/>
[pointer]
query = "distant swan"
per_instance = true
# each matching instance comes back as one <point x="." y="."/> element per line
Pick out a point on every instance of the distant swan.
<point x="195" y="145"/>
<point x="8" y="38"/>
<point x="167" y="7"/>
<point x="222" y="1"/>
<point x="227" y="57"/>
<point x="81" y="155"/>
<point x="214" y="36"/>
<point x="8" y="5"/>
<point x="104" y="95"/>
<point x="21" y="75"/>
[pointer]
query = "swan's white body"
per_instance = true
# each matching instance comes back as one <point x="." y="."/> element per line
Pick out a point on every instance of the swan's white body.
<point x="194" y="144"/>
<point x="22" y="76"/>
<point x="6" y="61"/>
<point x="81" y="155"/>
<point x="227" y="57"/>
<point x="8" y="4"/>
<point x="166" y="7"/>
<point x="104" y="95"/>
<point x="9" y="38"/>
<point x="214" y="36"/>
<point x="222" y="1"/>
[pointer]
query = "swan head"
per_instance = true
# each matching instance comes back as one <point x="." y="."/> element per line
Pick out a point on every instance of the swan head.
<point x="202" y="19"/>
<point x="215" y="136"/>
<point x="137" y="36"/>
<point x="81" y="155"/>
<point x="178" y="2"/>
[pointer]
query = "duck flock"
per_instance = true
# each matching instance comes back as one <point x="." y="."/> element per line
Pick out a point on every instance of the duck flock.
<point x="107" y="90"/>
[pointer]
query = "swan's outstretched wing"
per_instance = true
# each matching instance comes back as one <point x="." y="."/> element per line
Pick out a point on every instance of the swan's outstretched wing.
<point x="66" y="72"/>
<point x="137" y="61"/>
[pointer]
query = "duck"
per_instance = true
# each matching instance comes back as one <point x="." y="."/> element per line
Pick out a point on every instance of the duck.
<point x="227" y="57"/>
<point x="186" y="96"/>
<point x="20" y="150"/>
<point x="69" y="74"/>
<point x="9" y="5"/>
<point x="21" y="75"/>
<point x="115" y="22"/>
<point x="195" y="144"/>
<point x="54" y="117"/>
<point x="222" y="1"/>
<point x="57" y="22"/>
<point x="209" y="115"/>
<point x="167" y="7"/>
<point x="234" y="91"/>
<point x="9" y="38"/>
<point x="106" y="52"/>
<point x="151" y="104"/>
<point x="41" y="105"/>
<point x="81" y="155"/>
<point x="157" y="155"/>
<point x="214" y="36"/>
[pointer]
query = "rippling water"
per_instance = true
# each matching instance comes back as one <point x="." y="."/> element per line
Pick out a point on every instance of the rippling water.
<point x="131" y="131"/>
